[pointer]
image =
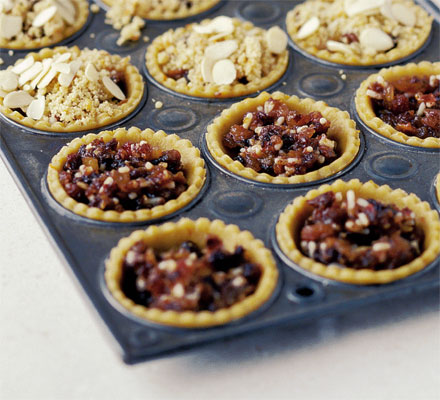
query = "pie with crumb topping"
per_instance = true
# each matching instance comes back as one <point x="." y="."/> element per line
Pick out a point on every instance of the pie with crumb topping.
<point x="68" y="89"/>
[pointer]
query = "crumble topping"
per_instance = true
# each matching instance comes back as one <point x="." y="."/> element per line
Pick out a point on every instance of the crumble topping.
<point x="281" y="142"/>
<point x="129" y="176"/>
<point x="354" y="232"/>
<point x="187" y="277"/>
<point x="356" y="27"/>
<point x="30" y="19"/>
<point x="77" y="85"/>
<point x="410" y="104"/>
<point x="221" y="51"/>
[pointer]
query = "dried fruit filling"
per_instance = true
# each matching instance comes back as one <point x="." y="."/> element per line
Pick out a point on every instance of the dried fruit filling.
<point x="360" y="233"/>
<point x="410" y="104"/>
<point x="188" y="278"/>
<point x="129" y="176"/>
<point x="281" y="142"/>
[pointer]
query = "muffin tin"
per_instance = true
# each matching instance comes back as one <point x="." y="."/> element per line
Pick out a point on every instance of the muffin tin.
<point x="84" y="244"/>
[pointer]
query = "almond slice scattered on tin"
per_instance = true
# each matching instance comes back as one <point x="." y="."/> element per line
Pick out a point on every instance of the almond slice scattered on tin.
<point x="309" y="27"/>
<point x="17" y="99"/>
<point x="113" y="88"/>
<point x="276" y="40"/>
<point x="224" y="72"/>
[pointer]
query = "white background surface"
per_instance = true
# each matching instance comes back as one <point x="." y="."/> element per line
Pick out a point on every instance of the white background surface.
<point x="53" y="346"/>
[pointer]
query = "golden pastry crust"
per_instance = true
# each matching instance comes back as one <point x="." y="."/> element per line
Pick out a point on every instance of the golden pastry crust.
<point x="94" y="111"/>
<point x="193" y="164"/>
<point x="292" y="219"/>
<point x="166" y="9"/>
<point x="342" y="130"/>
<point x="82" y="13"/>
<point x="171" y="234"/>
<point x="366" y="113"/>
<point x="169" y="48"/>
<point x="410" y="39"/>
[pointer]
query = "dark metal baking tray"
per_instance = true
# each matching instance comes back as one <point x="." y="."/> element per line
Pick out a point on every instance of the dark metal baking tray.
<point x="84" y="245"/>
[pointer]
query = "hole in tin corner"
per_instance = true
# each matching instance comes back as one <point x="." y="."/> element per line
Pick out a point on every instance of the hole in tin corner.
<point x="391" y="166"/>
<point x="142" y="337"/>
<point x="305" y="292"/>
<point x="321" y="84"/>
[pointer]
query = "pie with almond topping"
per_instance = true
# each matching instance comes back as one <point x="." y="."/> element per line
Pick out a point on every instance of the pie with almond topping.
<point x="191" y="274"/>
<point x="359" y="32"/>
<point x="68" y="89"/>
<point x="29" y="24"/>
<point x="218" y="58"/>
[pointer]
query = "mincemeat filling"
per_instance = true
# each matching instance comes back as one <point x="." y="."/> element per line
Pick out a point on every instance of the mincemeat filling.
<point x="359" y="233"/>
<point x="410" y="104"/>
<point x="129" y="176"/>
<point x="187" y="277"/>
<point x="281" y="142"/>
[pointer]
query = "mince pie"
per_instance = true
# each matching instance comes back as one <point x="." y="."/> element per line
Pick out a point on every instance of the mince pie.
<point x="191" y="274"/>
<point x="359" y="32"/>
<point x="359" y="233"/>
<point x="30" y="24"/>
<point x="218" y="58"/>
<point x="68" y="89"/>
<point x="403" y="103"/>
<point x="126" y="175"/>
<point x="275" y="138"/>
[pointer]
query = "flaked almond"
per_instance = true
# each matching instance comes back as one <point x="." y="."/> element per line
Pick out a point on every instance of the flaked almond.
<point x="30" y="73"/>
<point x="8" y="81"/>
<point x="47" y="62"/>
<point x="223" y="72"/>
<point x="68" y="5"/>
<point x="17" y="99"/>
<point x="386" y="11"/>
<point x="309" y="27"/>
<point x="63" y="58"/>
<point x="362" y="6"/>
<point x="6" y="5"/>
<point x="333" y="45"/>
<point x="44" y="16"/>
<point x="23" y="66"/>
<point x="221" y="50"/>
<point x="221" y="24"/>
<point x="376" y="39"/>
<point x="36" y="108"/>
<point x="10" y="25"/>
<point x="206" y="68"/>
<point x="113" y="88"/>
<point x="62" y="67"/>
<point x="66" y="79"/>
<point x="276" y="40"/>
<point x="404" y="15"/>
<point x="47" y="79"/>
<point x="66" y="12"/>
<point x="91" y="73"/>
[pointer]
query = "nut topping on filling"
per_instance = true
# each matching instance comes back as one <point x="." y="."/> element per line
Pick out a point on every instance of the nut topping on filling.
<point x="281" y="142"/>
<point x="410" y="104"/>
<point x="33" y="19"/>
<point x="359" y="233"/>
<point x="75" y="86"/>
<point x="188" y="278"/>
<point x="220" y="51"/>
<point x="118" y="177"/>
